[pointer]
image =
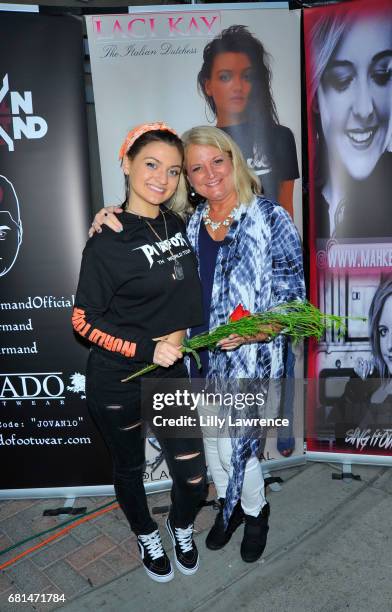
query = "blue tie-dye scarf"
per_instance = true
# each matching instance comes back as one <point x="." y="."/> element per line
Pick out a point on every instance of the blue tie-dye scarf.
<point x="259" y="265"/>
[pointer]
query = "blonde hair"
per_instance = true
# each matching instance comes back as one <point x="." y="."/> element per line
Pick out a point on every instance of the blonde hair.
<point x="382" y="294"/>
<point x="179" y="202"/>
<point x="325" y="36"/>
<point x="247" y="184"/>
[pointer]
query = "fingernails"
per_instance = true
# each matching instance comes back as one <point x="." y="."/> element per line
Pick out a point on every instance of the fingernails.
<point x="119" y="230"/>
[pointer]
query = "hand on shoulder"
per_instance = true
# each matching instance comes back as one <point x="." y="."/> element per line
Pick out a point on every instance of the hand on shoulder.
<point x="106" y="216"/>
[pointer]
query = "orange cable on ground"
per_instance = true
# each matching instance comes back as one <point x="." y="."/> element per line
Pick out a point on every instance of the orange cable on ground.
<point x="58" y="534"/>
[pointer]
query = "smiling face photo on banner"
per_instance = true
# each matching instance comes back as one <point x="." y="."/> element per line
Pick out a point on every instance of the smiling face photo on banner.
<point x="351" y="106"/>
<point x="10" y="226"/>
<point x="361" y="411"/>
<point x="235" y="81"/>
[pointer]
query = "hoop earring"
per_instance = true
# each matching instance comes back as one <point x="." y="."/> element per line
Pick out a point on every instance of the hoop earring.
<point x="206" y="108"/>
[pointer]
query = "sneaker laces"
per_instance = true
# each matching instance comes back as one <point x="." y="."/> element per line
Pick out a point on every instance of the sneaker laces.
<point x="184" y="538"/>
<point x="152" y="541"/>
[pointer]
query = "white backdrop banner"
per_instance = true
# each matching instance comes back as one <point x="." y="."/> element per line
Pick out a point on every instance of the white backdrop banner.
<point x="145" y="68"/>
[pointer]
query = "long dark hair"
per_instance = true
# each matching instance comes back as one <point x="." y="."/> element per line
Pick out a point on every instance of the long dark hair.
<point x="237" y="39"/>
<point x="144" y="140"/>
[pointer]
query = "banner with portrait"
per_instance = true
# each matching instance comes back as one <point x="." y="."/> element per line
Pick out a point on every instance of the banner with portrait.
<point x="46" y="437"/>
<point x="349" y="104"/>
<point x="237" y="69"/>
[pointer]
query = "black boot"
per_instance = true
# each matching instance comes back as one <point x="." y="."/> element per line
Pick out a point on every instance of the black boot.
<point x="218" y="536"/>
<point x="255" y="535"/>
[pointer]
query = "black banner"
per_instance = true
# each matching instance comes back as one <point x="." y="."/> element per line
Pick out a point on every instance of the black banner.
<point x="46" y="436"/>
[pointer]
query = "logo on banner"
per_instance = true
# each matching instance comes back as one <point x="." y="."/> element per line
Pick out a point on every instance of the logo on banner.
<point x="155" y="467"/>
<point x="78" y="384"/>
<point x="16" y="117"/>
<point x="34" y="386"/>
<point x="144" y="27"/>
<point x="41" y="385"/>
<point x="11" y="230"/>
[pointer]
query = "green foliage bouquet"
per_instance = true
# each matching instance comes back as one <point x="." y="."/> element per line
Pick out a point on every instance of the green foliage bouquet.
<point x="295" y="319"/>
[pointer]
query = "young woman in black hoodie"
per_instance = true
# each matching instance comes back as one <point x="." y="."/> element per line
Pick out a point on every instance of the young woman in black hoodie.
<point x="137" y="293"/>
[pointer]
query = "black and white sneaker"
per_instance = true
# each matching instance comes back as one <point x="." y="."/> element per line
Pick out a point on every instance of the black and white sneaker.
<point x="185" y="551"/>
<point x="155" y="560"/>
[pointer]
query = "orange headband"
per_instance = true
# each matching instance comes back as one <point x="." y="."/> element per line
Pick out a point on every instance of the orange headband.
<point x="137" y="131"/>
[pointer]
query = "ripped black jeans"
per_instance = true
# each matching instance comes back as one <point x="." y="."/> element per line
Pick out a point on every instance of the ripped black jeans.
<point x="116" y="410"/>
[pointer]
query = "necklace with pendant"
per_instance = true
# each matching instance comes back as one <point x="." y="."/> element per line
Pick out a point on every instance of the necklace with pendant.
<point x="178" y="270"/>
<point x="215" y="225"/>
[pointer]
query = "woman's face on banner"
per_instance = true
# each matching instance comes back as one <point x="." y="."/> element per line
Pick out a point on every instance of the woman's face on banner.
<point x="9" y="242"/>
<point x="385" y="333"/>
<point x="355" y="97"/>
<point x="10" y="237"/>
<point x="230" y="83"/>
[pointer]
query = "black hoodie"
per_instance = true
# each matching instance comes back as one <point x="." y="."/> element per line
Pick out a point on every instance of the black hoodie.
<point x="127" y="292"/>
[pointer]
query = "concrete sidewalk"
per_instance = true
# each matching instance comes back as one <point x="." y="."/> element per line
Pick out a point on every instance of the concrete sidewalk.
<point x="329" y="549"/>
